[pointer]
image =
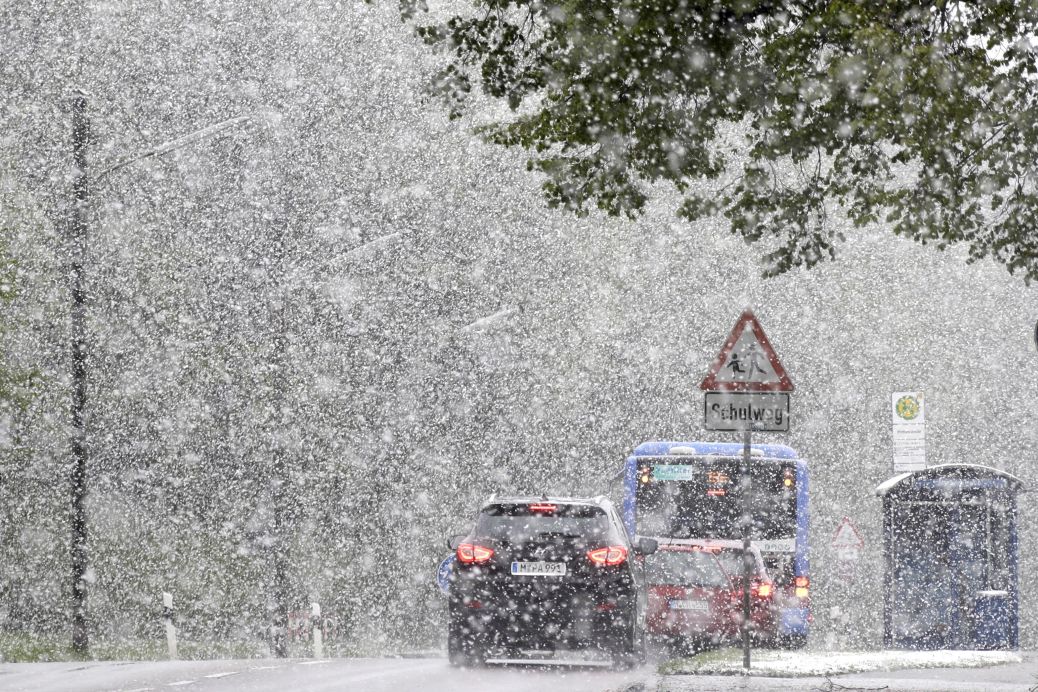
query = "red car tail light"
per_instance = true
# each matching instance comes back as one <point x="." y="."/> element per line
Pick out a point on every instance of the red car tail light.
<point x="543" y="508"/>
<point x="762" y="590"/>
<point x="801" y="586"/>
<point x="472" y="554"/>
<point x="610" y="555"/>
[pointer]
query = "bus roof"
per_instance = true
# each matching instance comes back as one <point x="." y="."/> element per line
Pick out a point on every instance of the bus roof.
<point x="658" y="448"/>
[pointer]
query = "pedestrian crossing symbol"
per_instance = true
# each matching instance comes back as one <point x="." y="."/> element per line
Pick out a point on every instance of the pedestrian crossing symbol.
<point x="747" y="362"/>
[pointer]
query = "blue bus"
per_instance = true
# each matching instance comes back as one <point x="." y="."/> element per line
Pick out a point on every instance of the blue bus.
<point x="690" y="490"/>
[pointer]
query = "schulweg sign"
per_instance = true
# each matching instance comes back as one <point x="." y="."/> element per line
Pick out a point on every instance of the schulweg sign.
<point x="747" y="387"/>
<point x="733" y="411"/>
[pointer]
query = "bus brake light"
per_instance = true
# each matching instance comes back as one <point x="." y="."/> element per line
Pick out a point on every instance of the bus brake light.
<point x="788" y="478"/>
<point x="543" y="508"/>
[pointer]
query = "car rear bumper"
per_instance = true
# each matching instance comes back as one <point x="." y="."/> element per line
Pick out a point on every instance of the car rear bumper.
<point x="572" y="623"/>
<point x="705" y="626"/>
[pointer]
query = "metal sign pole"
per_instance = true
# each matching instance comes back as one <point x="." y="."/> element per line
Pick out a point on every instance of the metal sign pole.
<point x="746" y="388"/>
<point x="745" y="484"/>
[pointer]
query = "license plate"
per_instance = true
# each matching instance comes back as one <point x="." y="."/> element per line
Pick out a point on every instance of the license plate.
<point x="539" y="569"/>
<point x="698" y="606"/>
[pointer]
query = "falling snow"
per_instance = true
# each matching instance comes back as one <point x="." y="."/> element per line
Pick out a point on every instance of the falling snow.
<point x="324" y="323"/>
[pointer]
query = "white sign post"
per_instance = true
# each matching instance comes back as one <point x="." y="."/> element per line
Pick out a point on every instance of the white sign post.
<point x="315" y="627"/>
<point x="171" y="630"/>
<point x="908" y="415"/>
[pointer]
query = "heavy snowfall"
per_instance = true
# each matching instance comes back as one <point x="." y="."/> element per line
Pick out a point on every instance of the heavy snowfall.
<point x="323" y="322"/>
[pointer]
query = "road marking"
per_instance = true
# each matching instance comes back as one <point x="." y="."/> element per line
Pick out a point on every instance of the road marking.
<point x="180" y="683"/>
<point x="222" y="675"/>
<point x="312" y="663"/>
<point x="417" y="664"/>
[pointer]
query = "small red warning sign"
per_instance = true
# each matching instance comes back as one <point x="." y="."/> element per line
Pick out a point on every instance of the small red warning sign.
<point x="847" y="537"/>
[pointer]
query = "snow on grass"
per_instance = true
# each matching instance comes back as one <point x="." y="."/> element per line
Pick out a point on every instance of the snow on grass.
<point x="826" y="663"/>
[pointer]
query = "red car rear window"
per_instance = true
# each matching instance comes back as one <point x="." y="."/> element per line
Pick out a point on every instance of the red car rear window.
<point x="684" y="568"/>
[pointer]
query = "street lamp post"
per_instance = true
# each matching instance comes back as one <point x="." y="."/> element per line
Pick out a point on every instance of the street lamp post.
<point x="77" y="318"/>
<point x="77" y="242"/>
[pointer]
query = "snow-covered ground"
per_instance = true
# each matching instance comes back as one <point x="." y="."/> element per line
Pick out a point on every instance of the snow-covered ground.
<point x="891" y="671"/>
<point x="828" y="663"/>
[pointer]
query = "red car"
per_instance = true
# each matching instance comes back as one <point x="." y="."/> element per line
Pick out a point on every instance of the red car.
<point x="692" y="599"/>
<point x="764" y="610"/>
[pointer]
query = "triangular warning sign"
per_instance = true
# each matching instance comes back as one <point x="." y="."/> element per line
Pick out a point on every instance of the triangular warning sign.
<point x="847" y="536"/>
<point x="747" y="362"/>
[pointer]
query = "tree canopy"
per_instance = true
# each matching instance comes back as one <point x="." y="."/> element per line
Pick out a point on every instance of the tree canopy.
<point x="784" y="117"/>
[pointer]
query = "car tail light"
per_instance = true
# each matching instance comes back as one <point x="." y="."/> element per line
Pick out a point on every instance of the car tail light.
<point x="543" y="508"/>
<point x="801" y="587"/>
<point x="758" y="589"/>
<point x="472" y="554"/>
<point x="610" y="555"/>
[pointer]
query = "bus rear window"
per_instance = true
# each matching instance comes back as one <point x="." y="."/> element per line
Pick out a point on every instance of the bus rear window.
<point x="701" y="500"/>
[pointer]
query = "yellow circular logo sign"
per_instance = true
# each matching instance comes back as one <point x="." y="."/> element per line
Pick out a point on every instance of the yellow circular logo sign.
<point x="907" y="407"/>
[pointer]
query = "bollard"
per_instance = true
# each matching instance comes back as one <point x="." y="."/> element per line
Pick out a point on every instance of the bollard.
<point x="315" y="624"/>
<point x="171" y="630"/>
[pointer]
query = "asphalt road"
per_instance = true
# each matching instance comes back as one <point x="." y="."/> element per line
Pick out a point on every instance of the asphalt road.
<point x="368" y="675"/>
<point x="435" y="675"/>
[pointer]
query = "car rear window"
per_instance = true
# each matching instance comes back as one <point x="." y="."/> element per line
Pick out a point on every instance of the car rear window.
<point x="684" y="568"/>
<point x="515" y="522"/>
<point x="732" y="561"/>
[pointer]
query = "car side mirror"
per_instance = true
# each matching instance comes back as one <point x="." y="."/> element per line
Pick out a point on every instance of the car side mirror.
<point x="646" y="546"/>
<point x="454" y="541"/>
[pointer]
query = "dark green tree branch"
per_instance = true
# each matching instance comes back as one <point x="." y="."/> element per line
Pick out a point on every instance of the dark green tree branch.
<point x="921" y="116"/>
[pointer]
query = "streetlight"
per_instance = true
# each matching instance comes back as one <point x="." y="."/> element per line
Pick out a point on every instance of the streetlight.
<point x="77" y="228"/>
